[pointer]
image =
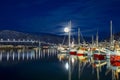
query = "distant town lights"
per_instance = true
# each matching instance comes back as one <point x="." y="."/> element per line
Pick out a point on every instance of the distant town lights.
<point x="66" y="29"/>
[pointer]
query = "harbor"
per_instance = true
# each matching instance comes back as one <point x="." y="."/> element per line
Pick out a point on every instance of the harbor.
<point x="96" y="55"/>
<point x="70" y="61"/>
<point x="59" y="39"/>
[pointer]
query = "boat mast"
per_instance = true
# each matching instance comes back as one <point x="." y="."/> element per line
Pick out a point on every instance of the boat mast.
<point x="111" y="38"/>
<point x="79" y="36"/>
<point x="97" y="39"/>
<point x="69" y="25"/>
<point x="92" y="40"/>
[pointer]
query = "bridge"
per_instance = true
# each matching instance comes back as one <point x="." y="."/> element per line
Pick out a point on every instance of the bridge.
<point x="24" y="43"/>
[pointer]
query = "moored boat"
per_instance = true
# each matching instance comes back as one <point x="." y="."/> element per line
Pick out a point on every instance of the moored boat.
<point x="99" y="55"/>
<point x="82" y="53"/>
<point x="73" y="52"/>
<point x="115" y="58"/>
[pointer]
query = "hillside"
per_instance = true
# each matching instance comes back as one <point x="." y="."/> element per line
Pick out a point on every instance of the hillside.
<point x="9" y="34"/>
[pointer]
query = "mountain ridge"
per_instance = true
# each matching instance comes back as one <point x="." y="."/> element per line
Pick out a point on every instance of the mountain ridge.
<point x="10" y="34"/>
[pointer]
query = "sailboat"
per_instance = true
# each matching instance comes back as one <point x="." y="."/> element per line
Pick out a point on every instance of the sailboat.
<point x="81" y="51"/>
<point x="62" y="49"/>
<point x="72" y="50"/>
<point x="115" y="54"/>
<point x="99" y="53"/>
<point x="69" y="49"/>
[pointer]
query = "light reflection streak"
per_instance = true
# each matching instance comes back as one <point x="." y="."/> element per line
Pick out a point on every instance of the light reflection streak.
<point x="13" y="56"/>
<point x="25" y="54"/>
<point x="18" y="56"/>
<point x="7" y="56"/>
<point x="96" y="66"/>
<point x="67" y="66"/>
<point x="0" y="56"/>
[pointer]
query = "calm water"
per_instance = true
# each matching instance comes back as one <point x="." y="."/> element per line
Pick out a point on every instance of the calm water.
<point x="28" y="64"/>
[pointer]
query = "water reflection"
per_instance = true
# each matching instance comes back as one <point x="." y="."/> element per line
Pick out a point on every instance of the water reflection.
<point x="90" y="68"/>
<point x="75" y="68"/>
<point x="26" y="54"/>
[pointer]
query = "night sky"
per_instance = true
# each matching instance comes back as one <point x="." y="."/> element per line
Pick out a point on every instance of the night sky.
<point x="51" y="16"/>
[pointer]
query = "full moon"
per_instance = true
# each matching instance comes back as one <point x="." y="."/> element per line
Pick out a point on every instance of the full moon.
<point x="66" y="29"/>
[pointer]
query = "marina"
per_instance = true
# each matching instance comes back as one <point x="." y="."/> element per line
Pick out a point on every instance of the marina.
<point x="59" y="39"/>
<point x="35" y="59"/>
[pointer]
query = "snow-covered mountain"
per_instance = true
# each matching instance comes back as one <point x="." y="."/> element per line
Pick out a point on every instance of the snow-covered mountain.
<point x="9" y="34"/>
